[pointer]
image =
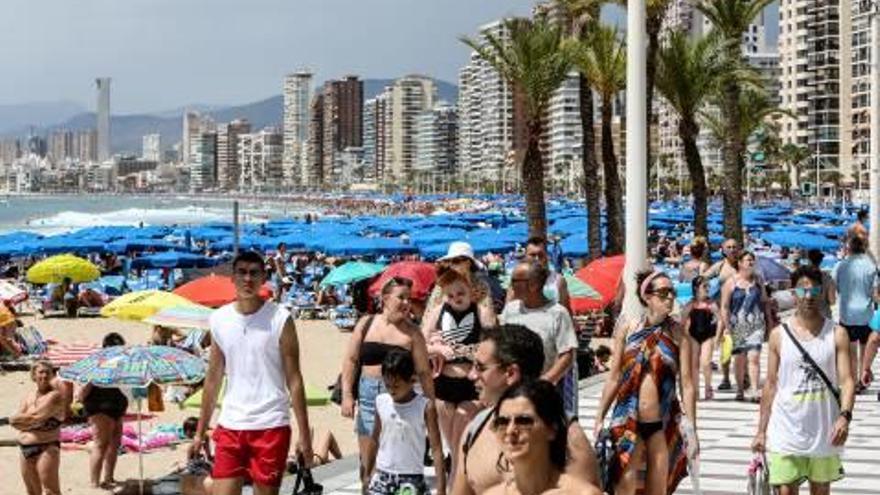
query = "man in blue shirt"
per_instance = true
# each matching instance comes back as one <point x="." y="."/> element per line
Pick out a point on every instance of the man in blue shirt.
<point x="856" y="280"/>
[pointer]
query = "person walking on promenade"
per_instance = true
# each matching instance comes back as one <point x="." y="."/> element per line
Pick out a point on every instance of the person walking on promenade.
<point x="695" y="266"/>
<point x="255" y="345"/>
<point x="650" y="357"/>
<point x="700" y="321"/>
<point x="856" y="279"/>
<point x="507" y="356"/>
<point x="808" y="395"/>
<point x="723" y="270"/>
<point x="746" y="314"/>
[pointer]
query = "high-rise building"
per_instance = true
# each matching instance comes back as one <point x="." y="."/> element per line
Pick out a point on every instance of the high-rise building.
<point x="103" y="113"/>
<point x="192" y="126"/>
<point x="36" y="145"/>
<point x="492" y="133"/>
<point x="203" y="161"/>
<point x="315" y="148"/>
<point x="87" y="145"/>
<point x="61" y="145"/>
<point x="260" y="156"/>
<point x="152" y="148"/>
<point x="343" y="121"/>
<point x="297" y="98"/>
<point x="436" y="143"/>
<point x="10" y="151"/>
<point x="855" y="135"/>
<point x="228" y="168"/>
<point x="410" y="97"/>
<point x="371" y="123"/>
<point x="561" y="141"/>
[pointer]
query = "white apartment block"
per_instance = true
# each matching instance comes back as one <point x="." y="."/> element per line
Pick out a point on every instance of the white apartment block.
<point x="856" y="131"/>
<point x="152" y="148"/>
<point x="409" y="97"/>
<point x="203" y="161"/>
<point x="260" y="158"/>
<point x="297" y="95"/>
<point x="562" y="140"/>
<point x="437" y="141"/>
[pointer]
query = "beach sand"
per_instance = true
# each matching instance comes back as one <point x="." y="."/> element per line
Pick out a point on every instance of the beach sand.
<point x="321" y="350"/>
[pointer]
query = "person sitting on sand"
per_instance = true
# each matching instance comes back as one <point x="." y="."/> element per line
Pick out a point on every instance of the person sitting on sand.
<point x="166" y="336"/>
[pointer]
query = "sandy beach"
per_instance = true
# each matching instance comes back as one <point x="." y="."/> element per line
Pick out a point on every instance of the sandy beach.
<point x="321" y="350"/>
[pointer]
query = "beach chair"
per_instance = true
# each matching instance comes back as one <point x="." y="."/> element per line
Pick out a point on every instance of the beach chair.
<point x="31" y="341"/>
<point x="344" y="317"/>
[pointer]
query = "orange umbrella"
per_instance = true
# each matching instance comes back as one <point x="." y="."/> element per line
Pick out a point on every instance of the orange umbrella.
<point x="6" y="316"/>
<point x="214" y="291"/>
<point x="604" y="275"/>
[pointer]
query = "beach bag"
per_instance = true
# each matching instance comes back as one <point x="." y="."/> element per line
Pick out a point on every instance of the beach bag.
<point x="336" y="388"/>
<point x="759" y="477"/>
<point x="305" y="484"/>
<point x="605" y="460"/>
<point x="154" y="398"/>
<point x="726" y="348"/>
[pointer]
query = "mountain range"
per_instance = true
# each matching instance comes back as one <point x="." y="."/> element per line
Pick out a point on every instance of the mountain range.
<point x="128" y="130"/>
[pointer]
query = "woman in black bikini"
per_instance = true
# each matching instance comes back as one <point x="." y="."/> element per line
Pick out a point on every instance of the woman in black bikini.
<point x="105" y="408"/>
<point x="38" y="421"/>
<point x="700" y="321"/>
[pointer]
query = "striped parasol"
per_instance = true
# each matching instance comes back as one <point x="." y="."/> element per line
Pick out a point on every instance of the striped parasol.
<point x="136" y="366"/>
<point x="194" y="317"/>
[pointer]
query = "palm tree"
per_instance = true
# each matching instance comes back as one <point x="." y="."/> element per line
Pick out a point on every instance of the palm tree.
<point x="602" y="58"/>
<point x="581" y="17"/>
<point x="532" y="60"/>
<point x="688" y="73"/>
<point x="731" y="18"/>
<point x="792" y="157"/>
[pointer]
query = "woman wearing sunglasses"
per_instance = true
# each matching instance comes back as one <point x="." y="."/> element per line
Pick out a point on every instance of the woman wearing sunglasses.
<point x="649" y="357"/>
<point x="746" y="314"/>
<point x="373" y="338"/>
<point x="531" y="429"/>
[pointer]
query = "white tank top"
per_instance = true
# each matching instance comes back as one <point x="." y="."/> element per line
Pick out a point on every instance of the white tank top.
<point x="804" y="410"/>
<point x="402" y="440"/>
<point x="256" y="390"/>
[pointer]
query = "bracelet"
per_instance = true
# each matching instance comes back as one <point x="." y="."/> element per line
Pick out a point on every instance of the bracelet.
<point x="847" y="415"/>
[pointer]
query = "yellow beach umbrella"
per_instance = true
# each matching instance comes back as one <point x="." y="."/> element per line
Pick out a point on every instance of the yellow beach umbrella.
<point x="143" y="304"/>
<point x="55" y="269"/>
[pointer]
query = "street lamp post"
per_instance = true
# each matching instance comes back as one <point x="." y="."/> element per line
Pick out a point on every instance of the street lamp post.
<point x="636" y="252"/>
<point x="873" y="7"/>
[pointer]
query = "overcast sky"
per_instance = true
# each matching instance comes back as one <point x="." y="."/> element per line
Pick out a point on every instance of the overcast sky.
<point x="163" y="54"/>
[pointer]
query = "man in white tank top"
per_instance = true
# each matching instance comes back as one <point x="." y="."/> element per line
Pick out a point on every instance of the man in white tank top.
<point x="255" y="347"/>
<point x="803" y="424"/>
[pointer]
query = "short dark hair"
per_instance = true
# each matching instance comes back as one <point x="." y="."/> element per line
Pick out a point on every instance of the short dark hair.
<point x="398" y="364"/>
<point x="537" y="272"/>
<point x="603" y="350"/>
<point x="809" y="271"/>
<point x="248" y="257"/>
<point x="862" y="215"/>
<point x="516" y="344"/>
<point x="189" y="426"/>
<point x="548" y="406"/>
<point x="112" y="339"/>
<point x="856" y="244"/>
<point x="537" y="240"/>
<point x="815" y="256"/>
<point x="696" y="283"/>
<point x="281" y="245"/>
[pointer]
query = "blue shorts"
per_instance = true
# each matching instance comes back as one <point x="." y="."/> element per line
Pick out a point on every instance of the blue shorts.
<point x="368" y="388"/>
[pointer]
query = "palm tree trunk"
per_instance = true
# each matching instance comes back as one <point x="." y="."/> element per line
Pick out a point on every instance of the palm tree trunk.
<point x="613" y="199"/>
<point x="533" y="181"/>
<point x="688" y="131"/>
<point x="731" y="157"/>
<point x="590" y="169"/>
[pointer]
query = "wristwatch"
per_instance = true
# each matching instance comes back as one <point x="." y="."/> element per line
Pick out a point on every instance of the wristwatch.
<point x="847" y="415"/>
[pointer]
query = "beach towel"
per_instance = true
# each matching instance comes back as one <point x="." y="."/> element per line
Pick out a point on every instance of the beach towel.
<point x="64" y="354"/>
<point x="31" y="341"/>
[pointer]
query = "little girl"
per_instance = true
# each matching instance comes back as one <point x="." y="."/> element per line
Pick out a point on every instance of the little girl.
<point x="451" y="331"/>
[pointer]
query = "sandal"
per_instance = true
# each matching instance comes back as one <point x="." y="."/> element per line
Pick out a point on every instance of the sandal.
<point x="740" y="396"/>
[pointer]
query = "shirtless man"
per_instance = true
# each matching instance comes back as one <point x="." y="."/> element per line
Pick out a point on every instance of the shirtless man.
<point x="506" y="356"/>
<point x="724" y="269"/>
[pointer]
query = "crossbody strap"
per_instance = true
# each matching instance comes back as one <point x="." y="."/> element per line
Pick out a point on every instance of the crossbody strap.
<point x="809" y="359"/>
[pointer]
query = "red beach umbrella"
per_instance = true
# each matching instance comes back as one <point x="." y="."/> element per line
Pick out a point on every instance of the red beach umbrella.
<point x="422" y="274"/>
<point x="214" y="291"/>
<point x="604" y="275"/>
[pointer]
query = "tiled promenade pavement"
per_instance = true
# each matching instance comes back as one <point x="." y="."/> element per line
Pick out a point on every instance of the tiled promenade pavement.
<point x="726" y="428"/>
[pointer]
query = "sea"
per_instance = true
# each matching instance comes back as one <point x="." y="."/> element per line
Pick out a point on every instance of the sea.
<point x="48" y="215"/>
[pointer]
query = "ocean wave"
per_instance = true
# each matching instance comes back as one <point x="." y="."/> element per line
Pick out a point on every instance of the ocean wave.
<point x="68" y="220"/>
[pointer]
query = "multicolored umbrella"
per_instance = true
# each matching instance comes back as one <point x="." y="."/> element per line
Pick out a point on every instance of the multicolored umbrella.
<point x="136" y="366"/>
<point x="352" y="271"/>
<point x="194" y="317"/>
<point x="55" y="269"/>
<point x="604" y="276"/>
<point x="579" y="288"/>
<point x="143" y="304"/>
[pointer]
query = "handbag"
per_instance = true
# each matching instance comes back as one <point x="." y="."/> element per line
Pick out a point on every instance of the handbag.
<point x="759" y="477"/>
<point x="305" y="484"/>
<point x="816" y="368"/>
<point x="336" y="388"/>
<point x="605" y="459"/>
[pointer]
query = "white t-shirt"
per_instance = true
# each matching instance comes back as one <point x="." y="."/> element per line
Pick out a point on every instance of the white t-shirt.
<point x="402" y="439"/>
<point x="256" y="389"/>
<point x="551" y="322"/>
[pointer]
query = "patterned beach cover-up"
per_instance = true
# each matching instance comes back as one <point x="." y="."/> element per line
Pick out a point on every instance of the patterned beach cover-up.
<point x="649" y="350"/>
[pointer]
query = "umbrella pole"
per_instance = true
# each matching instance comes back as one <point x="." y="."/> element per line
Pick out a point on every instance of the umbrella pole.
<point x="140" y="450"/>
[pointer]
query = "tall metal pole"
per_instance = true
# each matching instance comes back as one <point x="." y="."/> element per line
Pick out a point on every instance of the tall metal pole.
<point x="235" y="227"/>
<point x="636" y="154"/>
<point x="874" y="214"/>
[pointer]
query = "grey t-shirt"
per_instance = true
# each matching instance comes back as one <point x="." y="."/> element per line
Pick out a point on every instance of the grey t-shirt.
<point x="551" y="322"/>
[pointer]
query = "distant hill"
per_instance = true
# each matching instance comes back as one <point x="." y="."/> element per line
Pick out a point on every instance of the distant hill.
<point x="128" y="130"/>
<point x="40" y="114"/>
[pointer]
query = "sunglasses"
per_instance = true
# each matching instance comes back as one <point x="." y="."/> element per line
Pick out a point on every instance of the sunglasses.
<point x="663" y="292"/>
<point x="521" y="421"/>
<point x="808" y="291"/>
<point x="254" y="272"/>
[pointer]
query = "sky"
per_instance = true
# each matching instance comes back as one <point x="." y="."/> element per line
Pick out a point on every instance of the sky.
<point x="165" y="54"/>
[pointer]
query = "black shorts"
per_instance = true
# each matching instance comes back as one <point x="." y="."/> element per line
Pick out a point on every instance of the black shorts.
<point x="454" y="390"/>
<point x="858" y="333"/>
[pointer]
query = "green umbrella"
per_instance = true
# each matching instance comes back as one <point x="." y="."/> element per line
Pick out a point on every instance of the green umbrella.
<point x="579" y="288"/>
<point x="352" y="271"/>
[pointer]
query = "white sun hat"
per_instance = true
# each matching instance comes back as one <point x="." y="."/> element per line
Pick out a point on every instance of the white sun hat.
<point x="461" y="249"/>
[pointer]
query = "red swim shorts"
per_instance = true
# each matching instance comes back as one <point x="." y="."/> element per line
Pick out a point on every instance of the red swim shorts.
<point x="260" y="455"/>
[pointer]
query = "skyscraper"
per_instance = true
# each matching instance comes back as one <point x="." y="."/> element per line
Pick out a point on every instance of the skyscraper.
<point x="436" y="142"/>
<point x="410" y="97"/>
<point x="203" y="161"/>
<point x="86" y="149"/>
<point x="152" y="148"/>
<point x="297" y="98"/>
<point x="260" y="157"/>
<point x="192" y="126"/>
<point x="315" y="147"/>
<point x="61" y="145"/>
<point x="343" y="121"/>
<point x="103" y="112"/>
<point x="228" y="168"/>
